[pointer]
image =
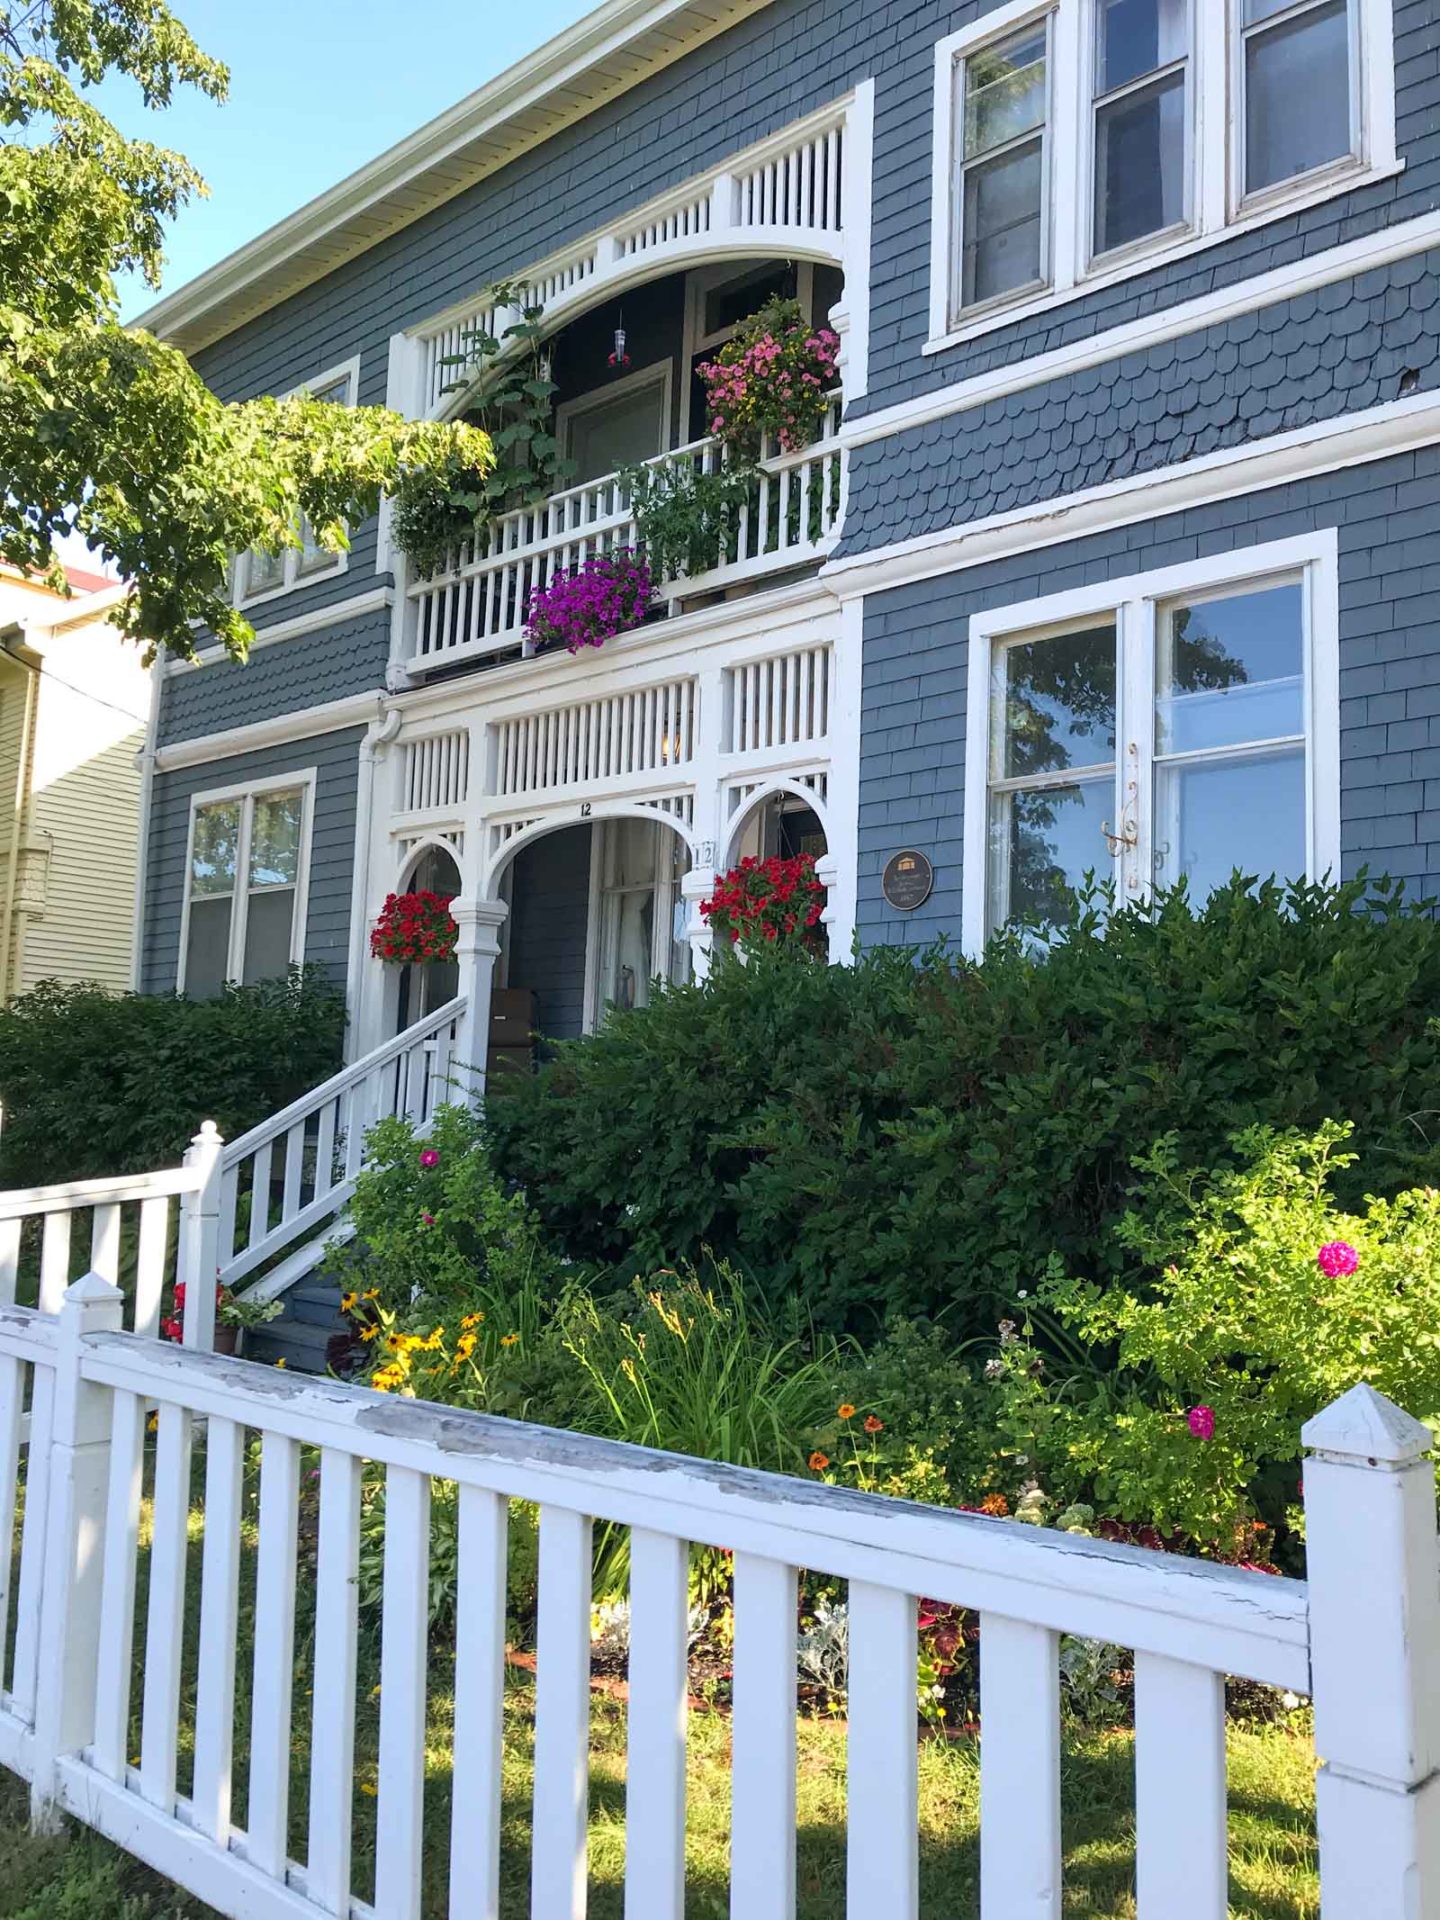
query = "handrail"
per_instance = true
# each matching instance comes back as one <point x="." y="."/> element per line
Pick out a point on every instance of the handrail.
<point x="114" y="1190"/>
<point x="236" y="1150"/>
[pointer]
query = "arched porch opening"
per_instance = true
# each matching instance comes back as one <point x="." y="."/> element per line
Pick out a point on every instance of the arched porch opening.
<point x="596" y="915"/>
<point x="784" y="820"/>
<point x="432" y="868"/>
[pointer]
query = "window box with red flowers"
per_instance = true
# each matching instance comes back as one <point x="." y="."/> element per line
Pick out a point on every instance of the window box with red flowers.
<point x="414" y="929"/>
<point x="770" y="904"/>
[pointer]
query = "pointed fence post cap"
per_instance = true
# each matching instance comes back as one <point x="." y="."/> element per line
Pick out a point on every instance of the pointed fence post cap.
<point x="1363" y="1425"/>
<point x="90" y="1290"/>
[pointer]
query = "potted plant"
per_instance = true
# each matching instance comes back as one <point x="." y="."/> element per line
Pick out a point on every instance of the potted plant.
<point x="768" y="905"/>
<point x="232" y="1316"/>
<point x="414" y="929"/>
<point x="686" y="519"/>
<point x="587" y="605"/>
<point x="772" y="380"/>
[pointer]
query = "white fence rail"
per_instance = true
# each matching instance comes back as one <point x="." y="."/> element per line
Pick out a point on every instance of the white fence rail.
<point x="289" y="1177"/>
<point x="1362" y="1638"/>
<point x="475" y="605"/>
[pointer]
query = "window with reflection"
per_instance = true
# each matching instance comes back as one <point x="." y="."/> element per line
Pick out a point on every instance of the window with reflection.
<point x="1166" y="741"/>
<point x="1297" y="73"/>
<point x="1002" y="152"/>
<point x="242" y="911"/>
<point x="1142" y="119"/>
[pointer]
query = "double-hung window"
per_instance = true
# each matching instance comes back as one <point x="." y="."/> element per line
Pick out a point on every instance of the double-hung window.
<point x="245" y="894"/>
<point x="1078" y="141"/>
<point x="258" y="574"/>
<point x="1171" y="727"/>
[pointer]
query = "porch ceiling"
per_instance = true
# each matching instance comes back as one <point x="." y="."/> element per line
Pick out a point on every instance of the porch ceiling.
<point x="604" y="54"/>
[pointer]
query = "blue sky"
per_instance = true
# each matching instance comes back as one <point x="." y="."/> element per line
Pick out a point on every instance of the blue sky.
<point x="317" y="87"/>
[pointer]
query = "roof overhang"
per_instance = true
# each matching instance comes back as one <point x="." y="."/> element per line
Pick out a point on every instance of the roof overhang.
<point x="603" y="55"/>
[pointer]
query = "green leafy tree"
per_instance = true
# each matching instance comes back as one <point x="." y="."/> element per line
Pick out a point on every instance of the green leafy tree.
<point x="105" y="431"/>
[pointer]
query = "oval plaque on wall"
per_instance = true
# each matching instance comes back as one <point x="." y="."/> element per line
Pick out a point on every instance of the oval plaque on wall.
<point x="907" y="880"/>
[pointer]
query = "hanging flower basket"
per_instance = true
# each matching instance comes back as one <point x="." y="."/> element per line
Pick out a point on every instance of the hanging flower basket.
<point x="414" y="929"/>
<point x="769" y="904"/>
<point x="587" y="605"/>
<point x="772" y="380"/>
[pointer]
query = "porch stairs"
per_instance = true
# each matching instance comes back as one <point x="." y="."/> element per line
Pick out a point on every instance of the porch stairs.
<point x="284" y="1186"/>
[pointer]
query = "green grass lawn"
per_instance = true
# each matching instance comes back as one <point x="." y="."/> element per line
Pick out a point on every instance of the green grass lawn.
<point x="77" y="1876"/>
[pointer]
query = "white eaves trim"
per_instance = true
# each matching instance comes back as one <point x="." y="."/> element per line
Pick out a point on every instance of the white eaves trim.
<point x="356" y="710"/>
<point x="1170" y="323"/>
<point x="375" y="601"/>
<point x="561" y="66"/>
<point x="1399" y="426"/>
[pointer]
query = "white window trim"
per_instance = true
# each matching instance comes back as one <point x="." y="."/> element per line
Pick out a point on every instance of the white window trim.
<point x="251" y="790"/>
<point x="658" y="373"/>
<point x="1218" y="207"/>
<point x="1132" y="601"/>
<point x="349" y="372"/>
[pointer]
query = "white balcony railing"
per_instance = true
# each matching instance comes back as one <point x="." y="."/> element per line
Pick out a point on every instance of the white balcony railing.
<point x="474" y="607"/>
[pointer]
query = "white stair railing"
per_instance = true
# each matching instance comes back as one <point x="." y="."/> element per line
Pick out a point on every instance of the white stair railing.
<point x="1362" y="1647"/>
<point x="290" y="1176"/>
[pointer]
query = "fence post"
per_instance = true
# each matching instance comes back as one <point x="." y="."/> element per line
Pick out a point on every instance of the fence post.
<point x="197" y="1262"/>
<point x="1374" y="1605"/>
<point x="70" y="1590"/>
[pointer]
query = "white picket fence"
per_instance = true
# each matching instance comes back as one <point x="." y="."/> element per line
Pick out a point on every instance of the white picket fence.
<point x="1362" y="1638"/>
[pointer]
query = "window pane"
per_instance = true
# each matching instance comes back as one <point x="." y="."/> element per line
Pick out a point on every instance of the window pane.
<point x="1231" y="670"/>
<point x="631" y="918"/>
<point x="269" y="922"/>
<point x="263" y="571"/>
<point x="1246" y="812"/>
<point x="275" y="839"/>
<point x="1057" y="698"/>
<point x="1140" y="164"/>
<point x="1042" y="845"/>
<point x="1136" y="36"/>
<point x="1003" y="247"/>
<point x="336" y="391"/>
<point x="207" y="948"/>
<point x="627" y="427"/>
<point x="313" y="557"/>
<point x="1005" y="91"/>
<point x="217" y="834"/>
<point x="1297" y="96"/>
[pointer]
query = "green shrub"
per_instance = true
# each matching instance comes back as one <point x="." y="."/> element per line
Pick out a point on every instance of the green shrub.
<point x="1252" y="1327"/>
<point x="95" y="1082"/>
<point x="917" y="1135"/>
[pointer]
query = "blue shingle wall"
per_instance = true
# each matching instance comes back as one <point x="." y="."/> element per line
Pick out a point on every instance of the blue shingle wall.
<point x="332" y="849"/>
<point x="1325" y="353"/>
<point x="549" y="916"/>
<point x="912" y="768"/>
<point x="281" y="678"/>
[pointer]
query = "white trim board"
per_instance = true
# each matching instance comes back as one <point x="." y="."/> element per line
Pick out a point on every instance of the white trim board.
<point x="374" y="601"/>
<point x="357" y="710"/>
<point x="1170" y="323"/>
<point x="1399" y="426"/>
<point x="1133" y="599"/>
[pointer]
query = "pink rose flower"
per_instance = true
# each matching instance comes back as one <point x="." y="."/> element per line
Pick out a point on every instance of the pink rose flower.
<point x="1201" y="1421"/>
<point x="429" y="1158"/>
<point x="1337" y="1258"/>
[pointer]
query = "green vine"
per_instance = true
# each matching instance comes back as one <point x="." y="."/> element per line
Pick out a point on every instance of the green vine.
<point x="686" y="520"/>
<point x="437" y="507"/>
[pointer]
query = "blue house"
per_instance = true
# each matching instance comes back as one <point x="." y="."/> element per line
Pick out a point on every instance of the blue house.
<point x="1119" y="550"/>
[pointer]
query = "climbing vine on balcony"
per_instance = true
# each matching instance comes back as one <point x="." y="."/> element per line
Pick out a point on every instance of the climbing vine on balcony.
<point x="439" y="507"/>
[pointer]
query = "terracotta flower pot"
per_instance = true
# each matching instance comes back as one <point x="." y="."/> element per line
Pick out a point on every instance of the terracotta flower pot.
<point x="227" y="1340"/>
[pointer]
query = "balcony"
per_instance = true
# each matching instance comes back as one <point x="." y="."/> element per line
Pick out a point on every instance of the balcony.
<point x="472" y="610"/>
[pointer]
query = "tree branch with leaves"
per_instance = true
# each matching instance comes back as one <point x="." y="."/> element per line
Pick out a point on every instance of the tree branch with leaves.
<point x="105" y="431"/>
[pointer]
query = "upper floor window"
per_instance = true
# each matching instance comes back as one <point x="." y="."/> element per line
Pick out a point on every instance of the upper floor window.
<point x="244" y="916"/>
<point x="1078" y="140"/>
<point x="257" y="574"/>
<point x="1173" y="726"/>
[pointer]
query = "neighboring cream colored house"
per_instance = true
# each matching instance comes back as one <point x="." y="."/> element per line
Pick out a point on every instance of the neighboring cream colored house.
<point x="74" y="700"/>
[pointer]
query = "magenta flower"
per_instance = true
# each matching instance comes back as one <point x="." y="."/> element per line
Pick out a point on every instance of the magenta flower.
<point x="1201" y="1421"/>
<point x="427" y="1219"/>
<point x="429" y="1158"/>
<point x="1337" y="1258"/>
<point x="587" y="605"/>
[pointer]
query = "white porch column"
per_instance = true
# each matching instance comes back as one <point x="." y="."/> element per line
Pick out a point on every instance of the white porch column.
<point x="697" y="885"/>
<point x="839" y="930"/>
<point x="477" y="948"/>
